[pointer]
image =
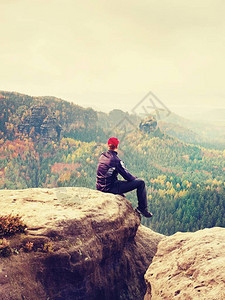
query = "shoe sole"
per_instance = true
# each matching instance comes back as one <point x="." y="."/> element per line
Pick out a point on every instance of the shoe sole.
<point x="140" y="213"/>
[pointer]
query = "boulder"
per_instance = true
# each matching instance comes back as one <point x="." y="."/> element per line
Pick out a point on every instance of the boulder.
<point x="188" y="266"/>
<point x="80" y="244"/>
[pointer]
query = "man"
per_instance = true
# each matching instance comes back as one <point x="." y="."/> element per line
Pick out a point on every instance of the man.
<point x="108" y="168"/>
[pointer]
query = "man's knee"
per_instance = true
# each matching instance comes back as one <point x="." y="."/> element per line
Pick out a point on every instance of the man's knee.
<point x="140" y="182"/>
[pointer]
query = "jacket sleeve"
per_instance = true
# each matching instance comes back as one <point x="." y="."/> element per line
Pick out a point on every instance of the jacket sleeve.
<point x="124" y="172"/>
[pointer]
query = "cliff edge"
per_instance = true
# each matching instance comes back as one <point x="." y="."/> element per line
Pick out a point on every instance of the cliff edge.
<point x="80" y="244"/>
<point x="188" y="266"/>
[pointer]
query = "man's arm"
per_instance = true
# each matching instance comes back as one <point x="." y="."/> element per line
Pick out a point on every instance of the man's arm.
<point x="124" y="172"/>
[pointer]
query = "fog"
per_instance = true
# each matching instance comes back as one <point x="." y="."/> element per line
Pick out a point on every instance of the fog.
<point x="110" y="54"/>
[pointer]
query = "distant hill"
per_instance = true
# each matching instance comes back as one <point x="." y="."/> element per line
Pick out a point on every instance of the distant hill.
<point x="180" y="132"/>
<point x="23" y="114"/>
<point x="207" y="134"/>
<point x="54" y="115"/>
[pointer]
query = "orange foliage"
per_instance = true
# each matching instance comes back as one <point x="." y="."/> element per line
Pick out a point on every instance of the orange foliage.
<point x="65" y="176"/>
<point x="12" y="149"/>
<point x="58" y="168"/>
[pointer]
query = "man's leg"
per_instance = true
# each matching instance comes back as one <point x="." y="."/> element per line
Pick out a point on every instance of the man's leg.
<point x="121" y="187"/>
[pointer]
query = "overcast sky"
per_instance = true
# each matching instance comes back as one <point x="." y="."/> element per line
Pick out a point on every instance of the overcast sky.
<point x="109" y="54"/>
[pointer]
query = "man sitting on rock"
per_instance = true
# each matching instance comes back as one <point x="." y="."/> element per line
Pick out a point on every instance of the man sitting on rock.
<point x="108" y="168"/>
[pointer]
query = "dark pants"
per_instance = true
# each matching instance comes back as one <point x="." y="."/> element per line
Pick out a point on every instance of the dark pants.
<point x="121" y="186"/>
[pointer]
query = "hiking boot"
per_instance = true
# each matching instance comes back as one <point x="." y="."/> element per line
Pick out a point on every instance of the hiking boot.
<point x="144" y="212"/>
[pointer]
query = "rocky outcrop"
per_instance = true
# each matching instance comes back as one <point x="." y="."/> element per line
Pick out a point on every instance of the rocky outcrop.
<point x="50" y="128"/>
<point x="40" y="121"/>
<point x="188" y="266"/>
<point x="148" y="125"/>
<point x="94" y="246"/>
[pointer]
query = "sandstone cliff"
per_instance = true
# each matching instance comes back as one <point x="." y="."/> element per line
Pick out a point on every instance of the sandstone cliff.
<point x="188" y="266"/>
<point x="95" y="247"/>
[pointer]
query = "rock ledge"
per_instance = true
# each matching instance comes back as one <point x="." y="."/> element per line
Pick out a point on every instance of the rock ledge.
<point x="99" y="249"/>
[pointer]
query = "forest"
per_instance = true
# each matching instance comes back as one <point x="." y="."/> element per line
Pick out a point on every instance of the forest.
<point x="49" y="142"/>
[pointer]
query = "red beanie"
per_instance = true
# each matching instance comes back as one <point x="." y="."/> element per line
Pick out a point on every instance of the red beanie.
<point x="113" y="141"/>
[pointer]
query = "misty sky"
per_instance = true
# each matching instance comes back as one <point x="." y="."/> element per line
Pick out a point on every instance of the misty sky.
<point x="109" y="54"/>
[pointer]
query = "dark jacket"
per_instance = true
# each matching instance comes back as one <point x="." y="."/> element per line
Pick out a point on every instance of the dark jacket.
<point x="109" y="166"/>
